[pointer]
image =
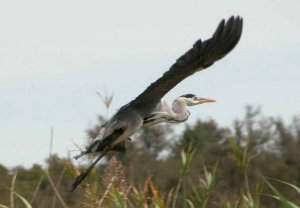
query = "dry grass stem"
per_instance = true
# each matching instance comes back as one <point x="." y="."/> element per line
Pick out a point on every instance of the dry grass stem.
<point x="115" y="169"/>
<point x="37" y="188"/>
<point x="57" y="186"/>
<point x="106" y="191"/>
<point x="55" y="190"/>
<point x="51" y="142"/>
<point x="12" y="189"/>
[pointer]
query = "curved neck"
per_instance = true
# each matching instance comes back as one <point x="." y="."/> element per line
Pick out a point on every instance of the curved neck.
<point x="179" y="109"/>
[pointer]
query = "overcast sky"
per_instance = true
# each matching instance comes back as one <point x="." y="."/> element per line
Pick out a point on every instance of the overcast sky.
<point x="54" y="55"/>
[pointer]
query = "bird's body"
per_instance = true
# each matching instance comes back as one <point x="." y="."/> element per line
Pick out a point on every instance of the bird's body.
<point x="161" y="113"/>
<point x="149" y="108"/>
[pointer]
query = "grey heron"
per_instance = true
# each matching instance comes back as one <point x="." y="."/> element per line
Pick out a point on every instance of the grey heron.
<point x="149" y="108"/>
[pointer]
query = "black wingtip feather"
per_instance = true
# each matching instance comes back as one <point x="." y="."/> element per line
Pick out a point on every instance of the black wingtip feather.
<point x="219" y="30"/>
<point x="231" y="35"/>
<point x="228" y="25"/>
<point x="234" y="35"/>
<point x="197" y="47"/>
<point x="224" y="39"/>
<point x="202" y="55"/>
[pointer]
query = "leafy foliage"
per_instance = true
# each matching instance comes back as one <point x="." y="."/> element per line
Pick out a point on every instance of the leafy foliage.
<point x="255" y="163"/>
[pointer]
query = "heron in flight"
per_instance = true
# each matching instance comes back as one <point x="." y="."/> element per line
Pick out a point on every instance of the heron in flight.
<point x="149" y="108"/>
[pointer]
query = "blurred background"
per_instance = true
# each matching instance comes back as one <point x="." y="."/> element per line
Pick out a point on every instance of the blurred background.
<point x="56" y="55"/>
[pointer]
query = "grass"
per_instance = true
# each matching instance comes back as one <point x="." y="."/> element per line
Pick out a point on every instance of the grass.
<point x="286" y="203"/>
<point x="113" y="190"/>
<point x="14" y="193"/>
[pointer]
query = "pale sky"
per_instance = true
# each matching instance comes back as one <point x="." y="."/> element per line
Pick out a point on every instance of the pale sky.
<point x="54" y="55"/>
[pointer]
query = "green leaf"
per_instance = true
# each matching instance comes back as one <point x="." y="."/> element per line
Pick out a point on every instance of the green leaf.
<point x="296" y="188"/>
<point x="236" y="150"/>
<point x="284" y="201"/>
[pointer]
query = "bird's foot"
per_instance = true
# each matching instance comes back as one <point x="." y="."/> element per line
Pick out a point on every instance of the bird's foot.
<point x="80" y="155"/>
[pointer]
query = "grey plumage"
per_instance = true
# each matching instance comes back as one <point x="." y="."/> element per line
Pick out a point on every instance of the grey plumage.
<point x="149" y="108"/>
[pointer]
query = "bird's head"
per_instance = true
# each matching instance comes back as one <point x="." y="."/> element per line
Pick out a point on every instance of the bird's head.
<point x="192" y="99"/>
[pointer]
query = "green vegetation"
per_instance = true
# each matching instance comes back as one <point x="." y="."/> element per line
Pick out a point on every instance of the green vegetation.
<point x="253" y="164"/>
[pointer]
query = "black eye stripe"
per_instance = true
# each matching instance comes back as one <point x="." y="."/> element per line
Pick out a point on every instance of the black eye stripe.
<point x="188" y="95"/>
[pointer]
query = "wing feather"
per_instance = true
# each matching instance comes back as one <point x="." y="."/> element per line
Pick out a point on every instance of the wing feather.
<point x="202" y="55"/>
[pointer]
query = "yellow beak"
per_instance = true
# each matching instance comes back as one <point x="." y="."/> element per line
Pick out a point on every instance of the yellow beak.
<point x="206" y="100"/>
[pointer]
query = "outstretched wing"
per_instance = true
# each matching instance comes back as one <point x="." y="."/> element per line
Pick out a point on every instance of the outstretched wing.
<point x="201" y="56"/>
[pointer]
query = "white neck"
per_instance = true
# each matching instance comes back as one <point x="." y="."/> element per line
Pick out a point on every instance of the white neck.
<point x="179" y="109"/>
